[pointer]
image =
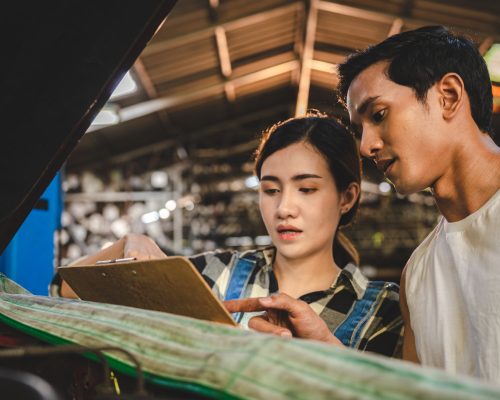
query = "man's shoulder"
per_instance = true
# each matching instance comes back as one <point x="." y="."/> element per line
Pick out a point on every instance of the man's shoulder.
<point x="428" y="243"/>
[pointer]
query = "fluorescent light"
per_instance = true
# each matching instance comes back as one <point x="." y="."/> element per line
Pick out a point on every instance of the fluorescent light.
<point x="126" y="87"/>
<point x="171" y="205"/>
<point x="107" y="116"/>
<point x="252" y="182"/>
<point x="384" y="187"/>
<point x="150" y="217"/>
<point x="159" y="179"/>
<point x="164" y="213"/>
<point x="263" y="240"/>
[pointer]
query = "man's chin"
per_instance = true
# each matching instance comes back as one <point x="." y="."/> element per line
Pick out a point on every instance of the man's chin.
<point x="405" y="189"/>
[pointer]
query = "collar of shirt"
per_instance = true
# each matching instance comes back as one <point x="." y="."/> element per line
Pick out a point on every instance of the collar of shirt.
<point x="350" y="277"/>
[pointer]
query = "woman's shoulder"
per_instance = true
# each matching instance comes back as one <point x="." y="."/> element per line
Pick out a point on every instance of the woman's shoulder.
<point x="365" y="287"/>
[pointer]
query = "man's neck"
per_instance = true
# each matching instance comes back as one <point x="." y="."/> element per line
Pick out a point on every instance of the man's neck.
<point x="472" y="179"/>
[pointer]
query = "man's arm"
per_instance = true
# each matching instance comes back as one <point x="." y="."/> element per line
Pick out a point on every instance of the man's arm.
<point x="285" y="316"/>
<point x="409" y="349"/>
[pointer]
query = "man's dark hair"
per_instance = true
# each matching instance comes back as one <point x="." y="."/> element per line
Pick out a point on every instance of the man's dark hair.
<point x="419" y="58"/>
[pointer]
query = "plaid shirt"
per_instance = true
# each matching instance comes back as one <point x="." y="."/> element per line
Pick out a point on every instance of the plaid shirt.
<point x="362" y="315"/>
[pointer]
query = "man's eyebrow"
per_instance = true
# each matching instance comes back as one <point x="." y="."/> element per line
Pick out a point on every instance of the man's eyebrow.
<point x="365" y="104"/>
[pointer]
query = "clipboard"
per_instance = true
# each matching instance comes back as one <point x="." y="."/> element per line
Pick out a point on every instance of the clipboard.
<point x="171" y="285"/>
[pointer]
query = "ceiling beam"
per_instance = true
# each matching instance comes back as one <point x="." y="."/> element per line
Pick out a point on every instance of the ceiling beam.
<point x="144" y="78"/>
<point x="381" y="17"/>
<point x="155" y="105"/>
<point x="396" y="27"/>
<point x="223" y="52"/>
<point x="306" y="61"/>
<point x="355" y="12"/>
<point x="485" y="45"/>
<point x="225" y="62"/>
<point x="207" y="33"/>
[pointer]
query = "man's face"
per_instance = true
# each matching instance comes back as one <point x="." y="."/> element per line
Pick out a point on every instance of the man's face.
<point x="402" y="135"/>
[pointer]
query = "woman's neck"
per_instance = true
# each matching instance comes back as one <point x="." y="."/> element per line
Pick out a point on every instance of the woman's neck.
<point x="299" y="276"/>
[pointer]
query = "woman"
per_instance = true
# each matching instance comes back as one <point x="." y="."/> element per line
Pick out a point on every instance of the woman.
<point x="310" y="174"/>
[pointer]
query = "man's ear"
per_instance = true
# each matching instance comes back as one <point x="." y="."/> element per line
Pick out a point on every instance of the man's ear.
<point x="451" y="90"/>
<point x="349" y="197"/>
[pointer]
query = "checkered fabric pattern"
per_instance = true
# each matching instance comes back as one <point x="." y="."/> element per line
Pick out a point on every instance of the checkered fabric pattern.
<point x="378" y="326"/>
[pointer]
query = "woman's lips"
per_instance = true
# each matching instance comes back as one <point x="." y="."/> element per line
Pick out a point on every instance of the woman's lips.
<point x="288" y="232"/>
<point x="289" y="235"/>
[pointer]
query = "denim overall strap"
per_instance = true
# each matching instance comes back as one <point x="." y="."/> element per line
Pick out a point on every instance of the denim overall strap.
<point x="238" y="280"/>
<point x="349" y="331"/>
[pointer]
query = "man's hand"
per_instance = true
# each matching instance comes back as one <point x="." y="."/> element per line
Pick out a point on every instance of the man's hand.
<point x="285" y="316"/>
<point x="141" y="247"/>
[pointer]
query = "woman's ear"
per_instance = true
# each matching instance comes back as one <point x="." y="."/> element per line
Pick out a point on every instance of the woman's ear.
<point x="349" y="197"/>
<point x="451" y="90"/>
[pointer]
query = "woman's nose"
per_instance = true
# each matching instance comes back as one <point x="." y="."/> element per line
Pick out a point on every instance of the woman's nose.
<point x="287" y="206"/>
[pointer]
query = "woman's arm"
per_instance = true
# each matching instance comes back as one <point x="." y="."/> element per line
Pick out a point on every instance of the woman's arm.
<point x="132" y="245"/>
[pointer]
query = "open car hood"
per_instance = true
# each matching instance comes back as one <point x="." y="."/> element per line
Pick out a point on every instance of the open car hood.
<point x="61" y="61"/>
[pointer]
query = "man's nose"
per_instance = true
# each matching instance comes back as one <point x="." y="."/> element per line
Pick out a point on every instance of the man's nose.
<point x="371" y="143"/>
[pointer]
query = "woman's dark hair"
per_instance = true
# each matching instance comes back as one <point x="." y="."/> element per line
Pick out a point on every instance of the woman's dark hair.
<point x="338" y="147"/>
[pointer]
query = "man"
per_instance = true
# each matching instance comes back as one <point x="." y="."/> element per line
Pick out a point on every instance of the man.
<point x="421" y="102"/>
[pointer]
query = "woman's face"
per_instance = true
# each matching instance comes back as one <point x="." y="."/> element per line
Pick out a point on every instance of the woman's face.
<point x="299" y="202"/>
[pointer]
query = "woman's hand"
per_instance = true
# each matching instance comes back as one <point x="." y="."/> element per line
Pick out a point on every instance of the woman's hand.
<point x="141" y="247"/>
<point x="285" y="316"/>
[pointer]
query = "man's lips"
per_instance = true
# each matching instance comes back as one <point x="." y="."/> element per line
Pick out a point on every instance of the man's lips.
<point x="384" y="164"/>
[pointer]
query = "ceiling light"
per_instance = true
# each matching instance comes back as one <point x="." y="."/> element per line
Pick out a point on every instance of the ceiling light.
<point x="164" y="213"/>
<point x="126" y="87"/>
<point x="159" y="179"/>
<point x="171" y="205"/>
<point x="252" y="182"/>
<point x="384" y="187"/>
<point x="150" y="217"/>
<point x="107" y="116"/>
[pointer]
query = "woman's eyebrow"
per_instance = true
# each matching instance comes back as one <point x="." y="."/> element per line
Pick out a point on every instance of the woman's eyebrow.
<point x="269" y="178"/>
<point x="299" y="177"/>
<point x="305" y="176"/>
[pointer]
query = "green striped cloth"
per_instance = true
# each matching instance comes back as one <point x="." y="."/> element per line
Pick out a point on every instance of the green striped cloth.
<point x="225" y="362"/>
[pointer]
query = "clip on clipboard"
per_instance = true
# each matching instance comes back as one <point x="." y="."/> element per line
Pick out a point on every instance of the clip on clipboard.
<point x="171" y="285"/>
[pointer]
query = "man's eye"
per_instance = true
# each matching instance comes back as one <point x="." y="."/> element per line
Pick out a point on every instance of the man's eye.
<point x="307" y="190"/>
<point x="378" y="116"/>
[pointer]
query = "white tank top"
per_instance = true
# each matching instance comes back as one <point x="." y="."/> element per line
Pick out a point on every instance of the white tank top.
<point x="453" y="294"/>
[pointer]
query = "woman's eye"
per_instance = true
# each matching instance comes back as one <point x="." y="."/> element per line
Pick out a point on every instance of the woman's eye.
<point x="307" y="190"/>
<point x="270" y="191"/>
<point x="378" y="116"/>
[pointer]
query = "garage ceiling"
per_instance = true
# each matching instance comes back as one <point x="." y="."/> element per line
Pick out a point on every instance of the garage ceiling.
<point x="218" y="72"/>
